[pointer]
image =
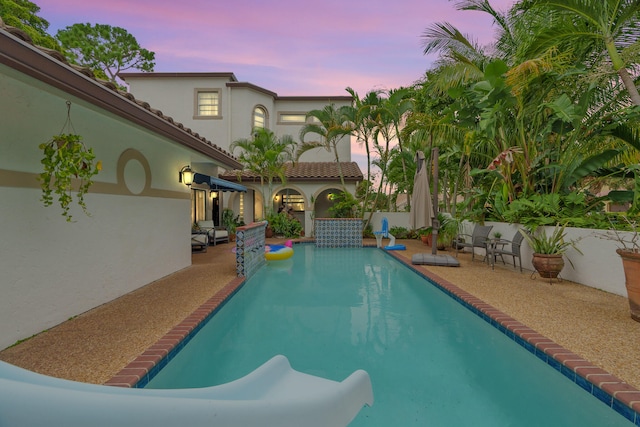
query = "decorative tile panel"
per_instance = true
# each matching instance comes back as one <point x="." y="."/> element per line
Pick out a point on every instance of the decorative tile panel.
<point x="338" y="232"/>
<point x="250" y="242"/>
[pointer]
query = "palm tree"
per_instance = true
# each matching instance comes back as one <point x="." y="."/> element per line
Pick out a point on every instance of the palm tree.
<point x="393" y="111"/>
<point x="596" y="26"/>
<point x="461" y="60"/>
<point x="332" y="126"/>
<point x="267" y="156"/>
<point x="361" y="115"/>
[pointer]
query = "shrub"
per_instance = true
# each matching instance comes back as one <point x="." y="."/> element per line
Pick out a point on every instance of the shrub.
<point x="283" y="225"/>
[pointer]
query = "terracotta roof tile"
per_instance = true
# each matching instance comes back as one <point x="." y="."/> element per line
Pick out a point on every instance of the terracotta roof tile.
<point x="305" y="171"/>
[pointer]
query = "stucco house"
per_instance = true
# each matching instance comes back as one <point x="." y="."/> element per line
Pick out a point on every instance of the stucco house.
<point x="140" y="214"/>
<point x="222" y="109"/>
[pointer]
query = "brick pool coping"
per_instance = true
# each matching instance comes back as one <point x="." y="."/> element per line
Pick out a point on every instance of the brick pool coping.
<point x="612" y="391"/>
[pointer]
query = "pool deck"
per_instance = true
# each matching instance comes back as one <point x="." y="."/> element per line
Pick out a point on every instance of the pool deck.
<point x="95" y="346"/>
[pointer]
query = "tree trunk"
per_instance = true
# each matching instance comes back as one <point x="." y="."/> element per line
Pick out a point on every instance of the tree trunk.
<point x="629" y="85"/>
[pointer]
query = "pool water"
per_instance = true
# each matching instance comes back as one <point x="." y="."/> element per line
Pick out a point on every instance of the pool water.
<point x="431" y="360"/>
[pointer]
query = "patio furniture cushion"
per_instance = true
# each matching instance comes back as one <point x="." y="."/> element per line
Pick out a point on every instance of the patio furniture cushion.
<point x="443" y="260"/>
<point x="200" y="241"/>
<point x="216" y="234"/>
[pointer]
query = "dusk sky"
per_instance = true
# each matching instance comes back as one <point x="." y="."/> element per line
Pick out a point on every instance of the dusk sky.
<point x="285" y="46"/>
<point x="292" y="48"/>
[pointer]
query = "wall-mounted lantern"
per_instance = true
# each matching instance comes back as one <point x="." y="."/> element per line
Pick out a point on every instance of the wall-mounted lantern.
<point x="186" y="175"/>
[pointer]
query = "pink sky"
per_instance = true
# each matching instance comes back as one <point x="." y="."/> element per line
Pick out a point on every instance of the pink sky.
<point x="290" y="47"/>
<point x="286" y="46"/>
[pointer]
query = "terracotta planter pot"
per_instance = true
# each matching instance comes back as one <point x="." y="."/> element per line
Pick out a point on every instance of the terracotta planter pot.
<point x="631" y="265"/>
<point x="427" y="239"/>
<point x="548" y="266"/>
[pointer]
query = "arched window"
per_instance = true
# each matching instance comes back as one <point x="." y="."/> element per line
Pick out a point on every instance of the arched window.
<point x="259" y="117"/>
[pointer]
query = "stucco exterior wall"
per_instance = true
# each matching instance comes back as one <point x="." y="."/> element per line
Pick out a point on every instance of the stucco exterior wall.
<point x="175" y="97"/>
<point x="139" y="226"/>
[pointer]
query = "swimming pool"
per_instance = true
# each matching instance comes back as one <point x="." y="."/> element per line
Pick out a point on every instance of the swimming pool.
<point x="431" y="360"/>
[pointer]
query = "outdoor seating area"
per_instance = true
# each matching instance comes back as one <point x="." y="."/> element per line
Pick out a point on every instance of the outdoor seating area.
<point x="500" y="247"/>
<point x="479" y="238"/>
<point x="216" y="234"/>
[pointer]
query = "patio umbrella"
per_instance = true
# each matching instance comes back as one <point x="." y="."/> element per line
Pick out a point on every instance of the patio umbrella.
<point x="433" y="258"/>
<point x="421" y="204"/>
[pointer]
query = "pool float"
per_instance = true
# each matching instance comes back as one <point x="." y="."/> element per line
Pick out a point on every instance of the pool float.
<point x="279" y="252"/>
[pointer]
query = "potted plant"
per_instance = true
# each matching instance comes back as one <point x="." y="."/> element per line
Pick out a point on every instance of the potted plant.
<point x="447" y="232"/>
<point x="425" y="234"/>
<point x="230" y="221"/>
<point x="629" y="251"/>
<point x="67" y="158"/>
<point x="549" y="250"/>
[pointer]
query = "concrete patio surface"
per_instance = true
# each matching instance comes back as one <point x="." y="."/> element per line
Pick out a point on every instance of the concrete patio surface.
<point x="96" y="345"/>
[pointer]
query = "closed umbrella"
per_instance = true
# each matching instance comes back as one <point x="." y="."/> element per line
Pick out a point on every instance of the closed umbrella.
<point x="421" y="204"/>
<point x="431" y="208"/>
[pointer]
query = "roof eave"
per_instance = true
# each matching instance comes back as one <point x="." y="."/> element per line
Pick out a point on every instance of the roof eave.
<point x="29" y="60"/>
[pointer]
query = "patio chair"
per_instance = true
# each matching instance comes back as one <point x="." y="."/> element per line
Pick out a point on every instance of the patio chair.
<point x="500" y="247"/>
<point x="479" y="238"/>
<point x="199" y="241"/>
<point x="216" y="234"/>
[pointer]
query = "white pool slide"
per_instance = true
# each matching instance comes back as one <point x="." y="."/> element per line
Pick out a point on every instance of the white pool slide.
<point x="272" y="395"/>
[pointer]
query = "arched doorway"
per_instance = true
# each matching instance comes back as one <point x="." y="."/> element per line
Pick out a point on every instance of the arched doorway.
<point x="290" y="200"/>
<point x="324" y="202"/>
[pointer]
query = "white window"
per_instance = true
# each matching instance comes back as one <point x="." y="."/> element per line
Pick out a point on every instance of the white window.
<point x="292" y="118"/>
<point x="296" y="119"/>
<point x="198" y="205"/>
<point x="259" y="118"/>
<point x="207" y="103"/>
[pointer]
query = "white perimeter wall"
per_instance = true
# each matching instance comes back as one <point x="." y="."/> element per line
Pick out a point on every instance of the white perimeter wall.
<point x="599" y="267"/>
<point x="138" y="231"/>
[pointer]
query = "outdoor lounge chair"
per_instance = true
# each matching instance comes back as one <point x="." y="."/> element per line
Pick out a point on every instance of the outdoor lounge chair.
<point x="500" y="247"/>
<point x="216" y="234"/>
<point x="478" y="239"/>
<point x="199" y="241"/>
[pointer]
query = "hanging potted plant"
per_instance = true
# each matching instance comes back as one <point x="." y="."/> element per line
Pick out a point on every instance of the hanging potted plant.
<point x="549" y="250"/>
<point x="67" y="159"/>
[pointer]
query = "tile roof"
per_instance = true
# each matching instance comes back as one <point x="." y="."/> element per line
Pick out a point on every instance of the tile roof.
<point x="17" y="57"/>
<point x="305" y="171"/>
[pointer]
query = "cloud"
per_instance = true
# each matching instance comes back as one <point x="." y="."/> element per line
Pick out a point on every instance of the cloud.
<point x="286" y="46"/>
<point x="289" y="47"/>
